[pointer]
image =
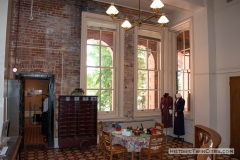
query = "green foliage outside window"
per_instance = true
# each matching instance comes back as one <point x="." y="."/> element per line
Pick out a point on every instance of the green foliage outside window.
<point x="141" y="99"/>
<point x="100" y="76"/>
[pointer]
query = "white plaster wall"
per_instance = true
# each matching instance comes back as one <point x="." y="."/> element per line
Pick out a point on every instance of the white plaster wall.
<point x="201" y="68"/>
<point x="179" y="17"/>
<point x="227" y="37"/>
<point x="202" y="109"/>
<point x="223" y="118"/>
<point x="3" y="31"/>
<point x="201" y="59"/>
<point x="227" y="24"/>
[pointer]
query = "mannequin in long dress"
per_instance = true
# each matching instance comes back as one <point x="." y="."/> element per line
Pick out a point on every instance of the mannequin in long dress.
<point x="166" y="106"/>
<point x="179" y="129"/>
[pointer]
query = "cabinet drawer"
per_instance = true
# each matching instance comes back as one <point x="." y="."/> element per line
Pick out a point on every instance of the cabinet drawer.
<point x="67" y="119"/>
<point x="77" y="121"/>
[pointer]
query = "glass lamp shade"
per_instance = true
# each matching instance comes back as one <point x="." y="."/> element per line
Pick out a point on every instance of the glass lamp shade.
<point x="126" y="24"/>
<point x="163" y="19"/>
<point x="112" y="10"/>
<point x="157" y="4"/>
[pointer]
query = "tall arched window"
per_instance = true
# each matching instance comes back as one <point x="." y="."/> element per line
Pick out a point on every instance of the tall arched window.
<point x="99" y="66"/>
<point x="101" y="71"/>
<point x="183" y="67"/>
<point x="147" y="72"/>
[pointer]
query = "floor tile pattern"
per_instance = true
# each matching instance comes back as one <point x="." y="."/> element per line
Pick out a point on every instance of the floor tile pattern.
<point x="91" y="153"/>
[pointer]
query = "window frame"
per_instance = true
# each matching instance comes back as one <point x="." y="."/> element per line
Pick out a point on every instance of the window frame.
<point x="153" y="112"/>
<point x="176" y="30"/>
<point x="118" y="62"/>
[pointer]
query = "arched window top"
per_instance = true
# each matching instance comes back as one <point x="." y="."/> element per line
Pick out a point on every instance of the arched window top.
<point x="183" y="40"/>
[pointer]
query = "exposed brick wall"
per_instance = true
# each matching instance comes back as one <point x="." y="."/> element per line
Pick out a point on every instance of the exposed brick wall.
<point x="51" y="42"/>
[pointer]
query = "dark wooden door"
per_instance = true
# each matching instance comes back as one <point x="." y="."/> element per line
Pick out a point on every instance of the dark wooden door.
<point x="235" y="115"/>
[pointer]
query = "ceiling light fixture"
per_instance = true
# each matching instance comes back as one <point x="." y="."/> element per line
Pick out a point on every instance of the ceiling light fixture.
<point x="156" y="6"/>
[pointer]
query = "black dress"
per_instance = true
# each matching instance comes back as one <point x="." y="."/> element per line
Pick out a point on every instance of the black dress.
<point x="45" y="118"/>
<point x="179" y="119"/>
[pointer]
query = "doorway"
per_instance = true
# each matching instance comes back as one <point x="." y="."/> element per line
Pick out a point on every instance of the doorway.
<point x="35" y="87"/>
<point x="35" y="96"/>
<point x="234" y="115"/>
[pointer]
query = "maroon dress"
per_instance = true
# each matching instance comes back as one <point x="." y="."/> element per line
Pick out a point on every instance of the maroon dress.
<point x="166" y="104"/>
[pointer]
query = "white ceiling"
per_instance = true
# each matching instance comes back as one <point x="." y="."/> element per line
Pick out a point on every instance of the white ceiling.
<point x="170" y="5"/>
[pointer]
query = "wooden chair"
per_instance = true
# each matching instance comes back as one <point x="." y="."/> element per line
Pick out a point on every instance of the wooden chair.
<point x="110" y="148"/>
<point x="100" y="137"/>
<point x="156" y="147"/>
<point x="203" y="137"/>
<point x="160" y="127"/>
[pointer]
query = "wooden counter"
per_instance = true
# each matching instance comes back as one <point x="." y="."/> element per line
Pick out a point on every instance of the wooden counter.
<point x="13" y="148"/>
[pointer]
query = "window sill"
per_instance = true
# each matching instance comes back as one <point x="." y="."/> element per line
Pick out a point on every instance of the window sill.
<point x="147" y="114"/>
<point x="110" y="118"/>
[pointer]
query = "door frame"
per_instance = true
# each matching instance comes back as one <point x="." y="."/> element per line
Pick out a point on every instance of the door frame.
<point x="228" y="109"/>
<point x="38" y="75"/>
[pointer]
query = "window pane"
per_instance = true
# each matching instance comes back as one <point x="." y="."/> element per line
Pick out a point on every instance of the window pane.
<point x="106" y="56"/>
<point x="91" y="92"/>
<point x="106" y="78"/>
<point x="142" y="79"/>
<point x="92" y="55"/>
<point x="93" y="35"/>
<point x="187" y="39"/>
<point x="153" y="80"/>
<point x="180" y="42"/>
<point x="152" y="60"/>
<point x="93" y="78"/>
<point x="179" y="80"/>
<point x="107" y="38"/>
<point x="186" y="78"/>
<point x="142" y="63"/>
<point x="95" y="93"/>
<point x="180" y="61"/>
<point x="141" y="100"/>
<point x="186" y="97"/>
<point x="153" y="100"/>
<point x="156" y="99"/>
<point x="142" y="43"/>
<point x="152" y="46"/>
<point x="187" y="59"/>
<point x="189" y="77"/>
<point x="106" y="100"/>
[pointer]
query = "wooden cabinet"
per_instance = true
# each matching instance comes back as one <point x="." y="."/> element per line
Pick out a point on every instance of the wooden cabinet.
<point x="77" y="121"/>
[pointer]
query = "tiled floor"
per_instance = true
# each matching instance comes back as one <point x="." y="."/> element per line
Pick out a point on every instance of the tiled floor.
<point x="91" y="153"/>
<point x="32" y="135"/>
<point x="33" y="138"/>
<point x="35" y="148"/>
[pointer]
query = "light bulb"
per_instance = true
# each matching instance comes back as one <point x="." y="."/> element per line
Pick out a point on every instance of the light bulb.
<point x="14" y="69"/>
